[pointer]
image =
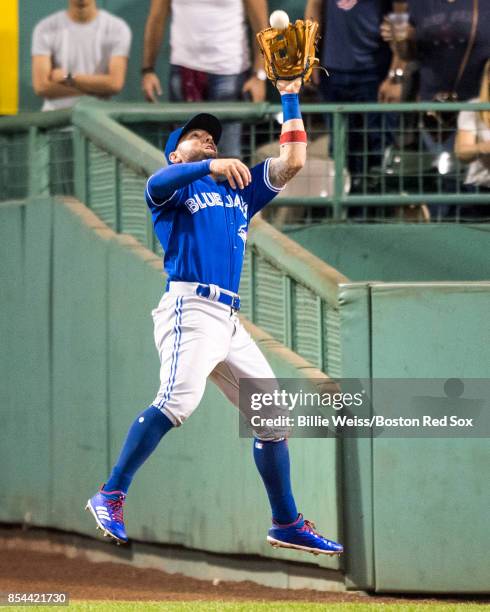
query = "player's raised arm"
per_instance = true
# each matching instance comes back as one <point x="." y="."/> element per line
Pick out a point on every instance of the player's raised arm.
<point x="289" y="58"/>
<point x="292" y="155"/>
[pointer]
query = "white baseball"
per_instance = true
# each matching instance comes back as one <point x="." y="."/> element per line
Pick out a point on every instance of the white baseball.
<point x="279" y="20"/>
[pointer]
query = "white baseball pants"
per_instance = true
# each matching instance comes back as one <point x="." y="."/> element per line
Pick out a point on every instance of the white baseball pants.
<point x="196" y="338"/>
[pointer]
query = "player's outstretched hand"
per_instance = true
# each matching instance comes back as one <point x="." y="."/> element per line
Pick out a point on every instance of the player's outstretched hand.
<point x="235" y="171"/>
<point x="289" y="86"/>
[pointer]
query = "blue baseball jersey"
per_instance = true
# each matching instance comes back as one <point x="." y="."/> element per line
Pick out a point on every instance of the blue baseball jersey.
<point x="203" y="227"/>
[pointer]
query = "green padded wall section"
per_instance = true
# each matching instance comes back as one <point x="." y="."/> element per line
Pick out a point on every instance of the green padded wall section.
<point x="414" y="508"/>
<point x="357" y="494"/>
<point x="431" y="495"/>
<point x="24" y="366"/>
<point x="80" y="364"/>
<point x="401" y="252"/>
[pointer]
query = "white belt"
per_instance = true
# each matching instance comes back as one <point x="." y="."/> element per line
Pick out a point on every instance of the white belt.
<point x="209" y="292"/>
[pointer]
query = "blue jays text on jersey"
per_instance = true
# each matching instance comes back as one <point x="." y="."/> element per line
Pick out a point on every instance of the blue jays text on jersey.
<point x="203" y="226"/>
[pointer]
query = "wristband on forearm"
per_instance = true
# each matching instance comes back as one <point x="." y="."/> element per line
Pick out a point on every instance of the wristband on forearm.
<point x="293" y="137"/>
<point x="290" y="106"/>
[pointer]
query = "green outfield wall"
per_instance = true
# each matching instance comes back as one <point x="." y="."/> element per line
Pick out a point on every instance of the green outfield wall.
<point x="78" y="363"/>
<point x="401" y="252"/>
<point x="416" y="509"/>
<point x="435" y="486"/>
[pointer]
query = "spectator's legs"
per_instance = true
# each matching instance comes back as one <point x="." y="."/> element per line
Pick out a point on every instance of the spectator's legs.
<point x="175" y="85"/>
<point x="331" y="91"/>
<point x="368" y="138"/>
<point x="228" y="88"/>
<point x="341" y="87"/>
<point x="364" y="139"/>
<point x="223" y="88"/>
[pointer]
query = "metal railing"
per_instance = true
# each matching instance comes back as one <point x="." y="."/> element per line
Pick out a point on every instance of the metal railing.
<point x="286" y="291"/>
<point x="366" y="162"/>
<point x="36" y="155"/>
<point x="95" y="153"/>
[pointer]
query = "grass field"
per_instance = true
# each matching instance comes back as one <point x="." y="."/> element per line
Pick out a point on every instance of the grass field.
<point x="278" y="607"/>
<point x="285" y="606"/>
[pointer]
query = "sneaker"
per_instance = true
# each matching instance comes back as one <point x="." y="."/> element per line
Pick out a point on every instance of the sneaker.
<point x="107" y="510"/>
<point x="301" y="535"/>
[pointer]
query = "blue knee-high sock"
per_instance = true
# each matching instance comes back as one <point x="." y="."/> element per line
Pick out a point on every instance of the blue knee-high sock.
<point x="142" y="439"/>
<point x="272" y="461"/>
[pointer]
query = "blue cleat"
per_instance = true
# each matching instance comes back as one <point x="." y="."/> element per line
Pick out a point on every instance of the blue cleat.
<point x="301" y="535"/>
<point x="107" y="510"/>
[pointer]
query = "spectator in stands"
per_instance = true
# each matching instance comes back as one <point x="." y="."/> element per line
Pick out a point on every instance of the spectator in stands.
<point x="209" y="55"/>
<point x="357" y="60"/>
<point x="438" y="38"/>
<point x="449" y="42"/>
<point x="81" y="51"/>
<point x="473" y="143"/>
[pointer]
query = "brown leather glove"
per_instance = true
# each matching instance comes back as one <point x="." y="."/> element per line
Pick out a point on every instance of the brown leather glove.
<point x="289" y="54"/>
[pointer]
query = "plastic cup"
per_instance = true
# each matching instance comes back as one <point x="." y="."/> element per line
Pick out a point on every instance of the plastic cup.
<point x="399" y="26"/>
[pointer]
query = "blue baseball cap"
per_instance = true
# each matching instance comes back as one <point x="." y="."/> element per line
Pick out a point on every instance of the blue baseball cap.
<point x="202" y="121"/>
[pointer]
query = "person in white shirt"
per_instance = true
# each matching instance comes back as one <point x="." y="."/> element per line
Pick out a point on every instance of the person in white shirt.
<point x="209" y="55"/>
<point x="473" y="138"/>
<point x="81" y="51"/>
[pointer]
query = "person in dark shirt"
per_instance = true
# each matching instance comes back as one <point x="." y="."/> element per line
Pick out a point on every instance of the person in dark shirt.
<point x="352" y="43"/>
<point x="438" y="39"/>
<point x="442" y="30"/>
<point x="357" y="60"/>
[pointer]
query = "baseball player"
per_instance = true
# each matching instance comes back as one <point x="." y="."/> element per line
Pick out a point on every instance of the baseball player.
<point x="201" y="208"/>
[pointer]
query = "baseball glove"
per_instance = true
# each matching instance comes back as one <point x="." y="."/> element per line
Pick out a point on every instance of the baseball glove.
<point x="289" y="54"/>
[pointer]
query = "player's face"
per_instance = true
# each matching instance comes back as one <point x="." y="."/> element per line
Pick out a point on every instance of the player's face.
<point x="196" y="145"/>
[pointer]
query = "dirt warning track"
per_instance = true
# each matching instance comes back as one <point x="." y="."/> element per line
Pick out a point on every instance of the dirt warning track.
<point x="27" y="570"/>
